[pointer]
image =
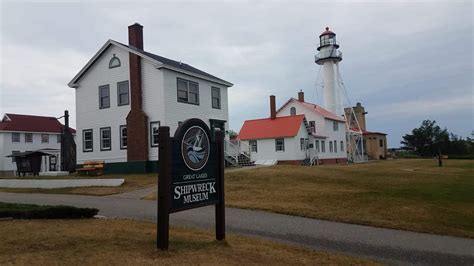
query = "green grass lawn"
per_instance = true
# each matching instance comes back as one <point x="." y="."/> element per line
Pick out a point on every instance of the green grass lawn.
<point x="409" y="194"/>
<point x="403" y="194"/>
<point x="126" y="242"/>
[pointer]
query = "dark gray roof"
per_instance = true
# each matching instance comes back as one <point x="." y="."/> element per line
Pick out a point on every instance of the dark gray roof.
<point x="175" y="64"/>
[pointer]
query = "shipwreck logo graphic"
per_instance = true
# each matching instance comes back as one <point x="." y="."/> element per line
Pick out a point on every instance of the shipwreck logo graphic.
<point x="195" y="148"/>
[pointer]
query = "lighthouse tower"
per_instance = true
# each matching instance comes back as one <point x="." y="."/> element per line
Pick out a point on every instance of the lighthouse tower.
<point x="329" y="57"/>
<point x="335" y="96"/>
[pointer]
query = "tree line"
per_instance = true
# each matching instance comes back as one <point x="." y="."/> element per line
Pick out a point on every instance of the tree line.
<point x="429" y="140"/>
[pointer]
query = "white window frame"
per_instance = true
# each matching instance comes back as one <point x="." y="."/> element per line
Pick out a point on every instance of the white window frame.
<point x="323" y="146"/>
<point x="119" y="94"/>
<point x="253" y="146"/>
<point x="293" y="111"/>
<point x="123" y="137"/>
<point x="58" y="138"/>
<point x="316" y="145"/>
<point x="342" y="146"/>
<point x="84" y="141"/>
<point x="103" y="139"/>
<point x="29" y="140"/>
<point x="280" y="147"/>
<point x="102" y="105"/>
<point x="154" y="133"/>
<point x="335" y="125"/>
<point x="330" y="146"/>
<point x="44" y="138"/>
<point x="187" y="91"/>
<point x="312" y="126"/>
<point x="15" y="137"/>
<point x="218" y="97"/>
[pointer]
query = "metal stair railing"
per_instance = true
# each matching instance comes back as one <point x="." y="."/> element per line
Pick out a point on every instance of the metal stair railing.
<point x="235" y="148"/>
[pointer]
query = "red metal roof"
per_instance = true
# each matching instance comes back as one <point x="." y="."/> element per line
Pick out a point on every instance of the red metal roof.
<point x="327" y="32"/>
<point x="31" y="123"/>
<point x="316" y="108"/>
<point x="280" y="127"/>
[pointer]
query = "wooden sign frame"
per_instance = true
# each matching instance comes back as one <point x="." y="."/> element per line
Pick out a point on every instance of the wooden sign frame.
<point x="172" y="167"/>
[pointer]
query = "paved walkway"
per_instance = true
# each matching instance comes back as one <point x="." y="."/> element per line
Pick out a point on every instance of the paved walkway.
<point x="387" y="245"/>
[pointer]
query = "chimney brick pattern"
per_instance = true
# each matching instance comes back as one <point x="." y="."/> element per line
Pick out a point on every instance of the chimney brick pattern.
<point x="137" y="120"/>
<point x="272" y="107"/>
<point x="301" y="96"/>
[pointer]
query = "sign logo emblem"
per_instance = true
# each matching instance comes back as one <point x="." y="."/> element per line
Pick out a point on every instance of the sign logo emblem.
<point x="195" y="148"/>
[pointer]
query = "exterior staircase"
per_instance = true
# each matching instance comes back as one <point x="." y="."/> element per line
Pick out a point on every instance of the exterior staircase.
<point x="237" y="154"/>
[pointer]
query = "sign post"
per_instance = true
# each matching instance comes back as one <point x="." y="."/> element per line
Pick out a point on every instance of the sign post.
<point x="220" y="206"/>
<point x="191" y="175"/>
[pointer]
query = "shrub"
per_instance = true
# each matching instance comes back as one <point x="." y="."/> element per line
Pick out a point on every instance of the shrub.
<point x="28" y="211"/>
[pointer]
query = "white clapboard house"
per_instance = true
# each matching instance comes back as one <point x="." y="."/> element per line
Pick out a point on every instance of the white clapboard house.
<point x="24" y="133"/>
<point x="298" y="132"/>
<point x="124" y="93"/>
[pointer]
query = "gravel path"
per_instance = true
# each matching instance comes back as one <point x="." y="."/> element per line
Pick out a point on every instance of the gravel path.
<point x="386" y="245"/>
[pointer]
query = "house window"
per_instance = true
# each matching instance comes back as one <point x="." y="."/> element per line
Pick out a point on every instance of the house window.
<point x="216" y="97"/>
<point x="330" y="147"/>
<point x="342" y="145"/>
<point x="13" y="153"/>
<point x="292" y="111"/>
<point x="114" y="62"/>
<point x="104" y="96"/>
<point x="335" y="146"/>
<point x="253" y="145"/>
<point x="180" y="123"/>
<point x="302" y="144"/>
<point x="381" y="143"/>
<point x="122" y="93"/>
<point x="323" y="146"/>
<point x="87" y="140"/>
<point x="312" y="126"/>
<point x="306" y="144"/>
<point x="58" y="138"/>
<point x="16" y="137"/>
<point x="105" y="139"/>
<point x="44" y="138"/>
<point x="123" y="137"/>
<point x="29" y="137"/>
<point x="188" y="91"/>
<point x="316" y="145"/>
<point x="154" y="126"/>
<point x="279" y="144"/>
<point x="335" y="125"/>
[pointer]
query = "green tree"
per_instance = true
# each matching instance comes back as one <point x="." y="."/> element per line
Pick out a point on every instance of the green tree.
<point x="232" y="133"/>
<point x="428" y="139"/>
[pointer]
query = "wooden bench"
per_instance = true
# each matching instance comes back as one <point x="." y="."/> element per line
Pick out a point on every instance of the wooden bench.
<point x="92" y="167"/>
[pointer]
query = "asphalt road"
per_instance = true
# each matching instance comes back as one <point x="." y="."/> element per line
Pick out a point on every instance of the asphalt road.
<point x="386" y="245"/>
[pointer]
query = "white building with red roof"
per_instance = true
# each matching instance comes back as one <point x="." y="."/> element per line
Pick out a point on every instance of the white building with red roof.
<point x="298" y="132"/>
<point x="21" y="133"/>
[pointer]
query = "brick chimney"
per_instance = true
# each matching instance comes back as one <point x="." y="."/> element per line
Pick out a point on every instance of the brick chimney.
<point x="137" y="120"/>
<point x="301" y="96"/>
<point x="272" y="107"/>
<point x="135" y="36"/>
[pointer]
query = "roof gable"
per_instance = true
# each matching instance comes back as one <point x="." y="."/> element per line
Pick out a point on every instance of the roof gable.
<point x="267" y="128"/>
<point x="156" y="60"/>
<point x="31" y="123"/>
<point x="315" y="108"/>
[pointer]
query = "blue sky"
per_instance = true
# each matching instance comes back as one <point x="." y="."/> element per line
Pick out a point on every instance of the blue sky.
<point x="405" y="61"/>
